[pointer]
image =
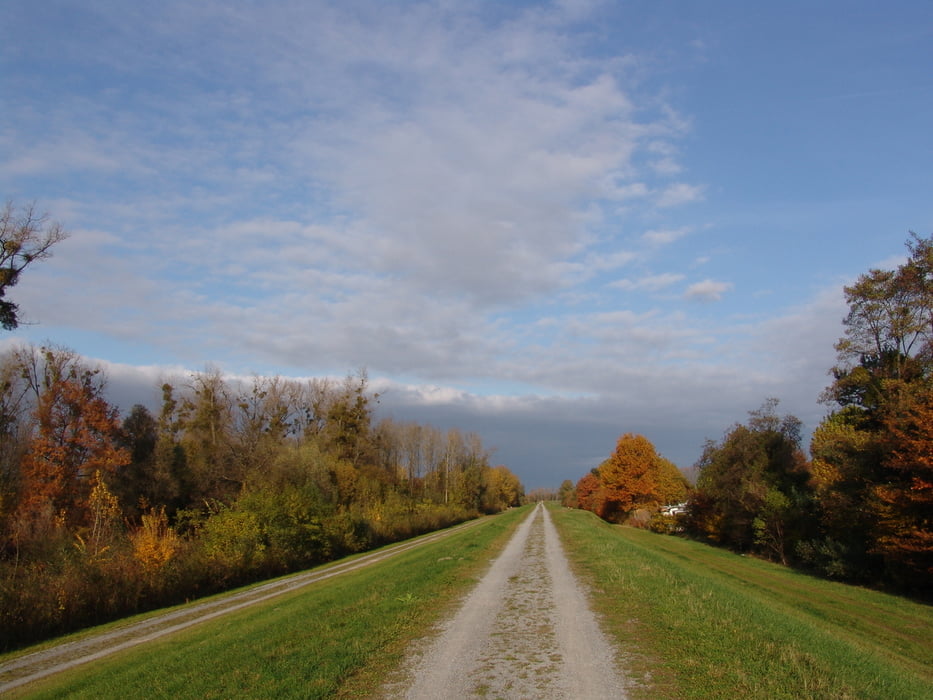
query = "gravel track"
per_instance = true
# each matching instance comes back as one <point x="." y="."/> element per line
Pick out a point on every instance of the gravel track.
<point x="525" y="631"/>
<point x="30" y="667"/>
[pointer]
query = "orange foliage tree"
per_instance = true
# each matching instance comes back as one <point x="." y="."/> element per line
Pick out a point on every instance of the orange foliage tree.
<point x="905" y="497"/>
<point x="635" y="476"/>
<point x="589" y="492"/>
<point x="629" y="477"/>
<point x="76" y="437"/>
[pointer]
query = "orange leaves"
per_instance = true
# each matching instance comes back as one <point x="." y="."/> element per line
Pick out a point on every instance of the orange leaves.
<point x="589" y="493"/>
<point x="629" y="477"/>
<point x="905" y="523"/>
<point x="75" y="438"/>
<point x="634" y="476"/>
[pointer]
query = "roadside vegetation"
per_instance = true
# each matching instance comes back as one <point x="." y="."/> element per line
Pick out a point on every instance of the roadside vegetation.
<point x="860" y="509"/>
<point x="336" y="638"/>
<point x="695" y="621"/>
<point x="232" y="481"/>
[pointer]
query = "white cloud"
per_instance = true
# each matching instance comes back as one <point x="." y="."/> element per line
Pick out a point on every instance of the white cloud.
<point x="707" y="290"/>
<point x="443" y="194"/>
<point x="662" y="237"/>
<point x="650" y="283"/>
<point x="679" y="194"/>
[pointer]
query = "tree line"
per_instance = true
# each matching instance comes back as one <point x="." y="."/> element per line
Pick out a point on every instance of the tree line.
<point x="860" y="507"/>
<point x="227" y="482"/>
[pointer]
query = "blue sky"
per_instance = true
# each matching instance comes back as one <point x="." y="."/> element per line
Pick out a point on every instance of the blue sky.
<point x="551" y="223"/>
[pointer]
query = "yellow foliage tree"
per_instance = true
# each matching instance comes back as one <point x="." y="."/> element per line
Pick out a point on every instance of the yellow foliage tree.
<point x="154" y="543"/>
<point x="672" y="485"/>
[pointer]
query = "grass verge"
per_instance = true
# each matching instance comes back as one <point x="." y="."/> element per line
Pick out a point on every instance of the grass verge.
<point x="336" y="638"/>
<point x="698" y="622"/>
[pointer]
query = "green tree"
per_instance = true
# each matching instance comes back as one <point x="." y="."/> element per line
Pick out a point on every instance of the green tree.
<point x="753" y="490"/>
<point x="206" y="416"/>
<point x="567" y="494"/>
<point x="25" y="237"/>
<point x="133" y="485"/>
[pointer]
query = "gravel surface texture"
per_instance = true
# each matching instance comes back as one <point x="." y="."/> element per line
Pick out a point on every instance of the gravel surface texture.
<point x="525" y="631"/>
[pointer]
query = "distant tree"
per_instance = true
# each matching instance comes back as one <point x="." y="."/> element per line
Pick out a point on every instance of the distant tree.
<point x="672" y="485"/>
<point x="567" y="494"/>
<point x="590" y="492"/>
<point x="753" y="492"/>
<point x="25" y="236"/>
<point x="206" y="418"/>
<point x="504" y="490"/>
<point x="629" y="477"/>
<point x="134" y="484"/>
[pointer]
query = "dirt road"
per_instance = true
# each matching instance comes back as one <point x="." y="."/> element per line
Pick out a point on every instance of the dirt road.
<point x="526" y="631"/>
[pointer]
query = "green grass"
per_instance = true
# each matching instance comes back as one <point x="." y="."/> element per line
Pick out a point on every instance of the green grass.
<point x="698" y="622"/>
<point x="336" y="638"/>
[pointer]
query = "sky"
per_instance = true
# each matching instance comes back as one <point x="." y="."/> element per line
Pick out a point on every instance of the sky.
<point x="551" y="223"/>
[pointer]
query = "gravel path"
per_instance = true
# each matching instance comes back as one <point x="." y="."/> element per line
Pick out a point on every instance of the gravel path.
<point x="526" y="631"/>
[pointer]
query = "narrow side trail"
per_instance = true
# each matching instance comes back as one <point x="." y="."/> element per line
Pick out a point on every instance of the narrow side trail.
<point x="23" y="669"/>
<point x="525" y="631"/>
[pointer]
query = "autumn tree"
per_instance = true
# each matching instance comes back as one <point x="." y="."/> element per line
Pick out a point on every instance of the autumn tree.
<point x="672" y="485"/>
<point x="470" y="476"/>
<point x="77" y="435"/>
<point x="505" y="489"/>
<point x="904" y="529"/>
<point x="229" y="481"/>
<point x="865" y="453"/>
<point x="25" y="237"/>
<point x="589" y="492"/>
<point x="15" y="432"/>
<point x="629" y="477"/>
<point x="753" y="490"/>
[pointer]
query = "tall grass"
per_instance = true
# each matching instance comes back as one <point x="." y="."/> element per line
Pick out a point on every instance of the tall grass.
<point x="698" y="622"/>
<point x="332" y="639"/>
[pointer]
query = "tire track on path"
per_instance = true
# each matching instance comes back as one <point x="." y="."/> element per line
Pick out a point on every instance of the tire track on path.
<point x="525" y="631"/>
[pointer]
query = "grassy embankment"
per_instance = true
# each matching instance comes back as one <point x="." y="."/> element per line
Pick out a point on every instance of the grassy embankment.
<point x="698" y="622"/>
<point x="337" y="638"/>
